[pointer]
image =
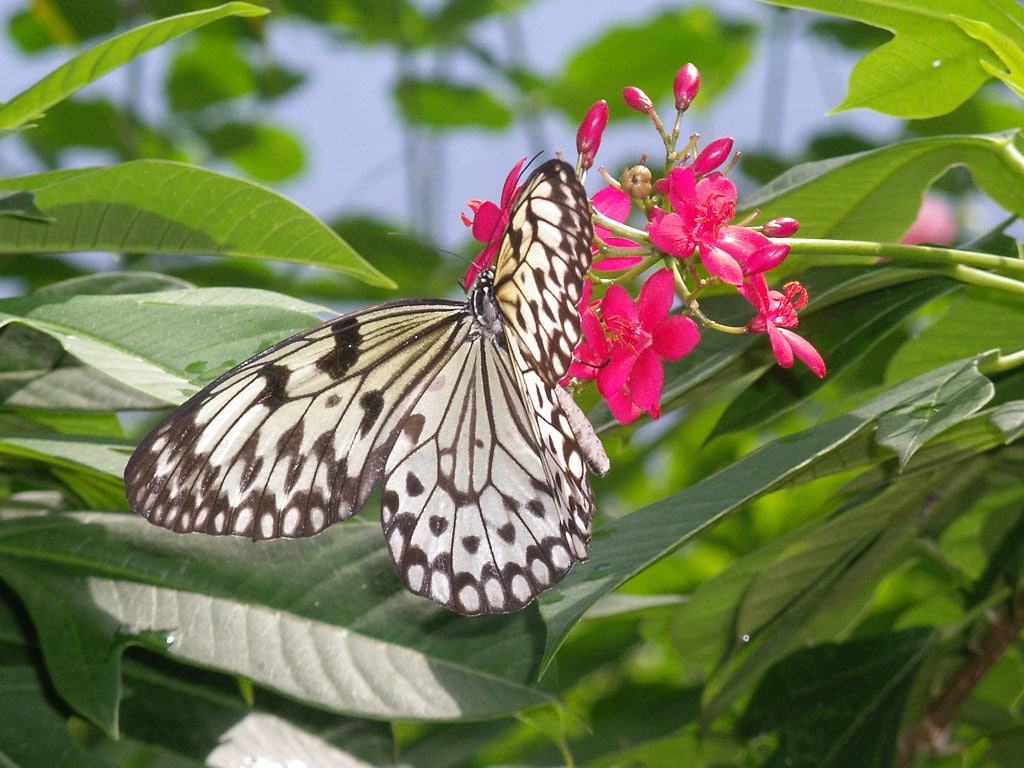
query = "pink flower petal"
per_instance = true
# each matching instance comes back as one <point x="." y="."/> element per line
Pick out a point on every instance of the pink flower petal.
<point x="645" y="381"/>
<point x="674" y="337"/>
<point x="672" y="234"/>
<point x="780" y="347"/>
<point x="755" y="290"/>
<point x="717" y="195"/>
<point x="805" y="351"/>
<point x="656" y="298"/>
<point x="720" y="264"/>
<point x="616" y="262"/>
<point x="618" y="305"/>
<point x="615" y="374"/>
<point x="509" y="189"/>
<point x="766" y="259"/>
<point x="612" y="202"/>
<point x="622" y="406"/>
<point x="593" y="332"/>
<point x="486" y="222"/>
<point x="682" y="188"/>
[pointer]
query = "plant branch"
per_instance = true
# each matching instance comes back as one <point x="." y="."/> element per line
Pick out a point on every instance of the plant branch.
<point x="932" y="730"/>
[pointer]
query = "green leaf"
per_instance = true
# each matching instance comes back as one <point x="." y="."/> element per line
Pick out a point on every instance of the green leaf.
<point x="444" y="105"/>
<point x="1009" y="52"/>
<point x="165" y="344"/>
<point x="208" y="71"/>
<point x="844" y="333"/>
<point x="975" y="321"/>
<point x="102" y="455"/>
<point x="32" y="730"/>
<point x="910" y="426"/>
<point x="248" y="609"/>
<point x="159" y="206"/>
<point x="630" y="544"/>
<point x="838" y="705"/>
<point x="648" y="54"/>
<point x="102" y="58"/>
<point x="931" y="65"/>
<point x="20" y="205"/>
<point x="264" y="152"/>
<point x="1009" y="418"/>
<point x="875" y="195"/>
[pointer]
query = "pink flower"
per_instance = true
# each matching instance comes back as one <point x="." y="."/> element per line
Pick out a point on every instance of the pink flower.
<point x="935" y="223"/>
<point x="488" y="224"/>
<point x="613" y="203"/>
<point x="592" y="352"/>
<point x="776" y="314"/>
<point x="588" y="137"/>
<point x="638" y="336"/>
<point x="700" y="210"/>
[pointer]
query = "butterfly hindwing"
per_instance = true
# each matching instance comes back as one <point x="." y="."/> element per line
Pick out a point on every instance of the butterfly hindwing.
<point x="294" y="438"/>
<point x="540" y="267"/>
<point x="469" y="511"/>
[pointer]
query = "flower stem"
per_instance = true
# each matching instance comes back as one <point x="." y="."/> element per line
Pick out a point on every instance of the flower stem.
<point x="1003" y="363"/>
<point x="693" y="307"/>
<point x="981" y="278"/>
<point x="618" y="228"/>
<point x="903" y="253"/>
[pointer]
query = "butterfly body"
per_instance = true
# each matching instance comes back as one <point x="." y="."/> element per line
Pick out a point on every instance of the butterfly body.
<point x="452" y="408"/>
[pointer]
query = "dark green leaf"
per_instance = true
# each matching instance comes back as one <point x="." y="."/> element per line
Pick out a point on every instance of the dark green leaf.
<point x="153" y="205"/>
<point x="838" y="705"/>
<point x="910" y="426"/>
<point x="208" y="71"/>
<point x="20" y="205"/>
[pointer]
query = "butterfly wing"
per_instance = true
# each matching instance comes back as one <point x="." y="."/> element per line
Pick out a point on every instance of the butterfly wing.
<point x="540" y="267"/>
<point x="470" y="512"/>
<point x="296" y="437"/>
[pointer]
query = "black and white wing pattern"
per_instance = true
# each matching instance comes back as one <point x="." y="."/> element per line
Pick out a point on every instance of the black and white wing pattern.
<point x="454" y="406"/>
<point x="296" y="437"/>
<point x="540" y="267"/>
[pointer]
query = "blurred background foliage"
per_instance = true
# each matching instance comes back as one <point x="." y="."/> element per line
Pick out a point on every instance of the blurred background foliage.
<point x="383" y="117"/>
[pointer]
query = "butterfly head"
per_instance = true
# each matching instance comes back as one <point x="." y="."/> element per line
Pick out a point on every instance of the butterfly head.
<point x="484" y="305"/>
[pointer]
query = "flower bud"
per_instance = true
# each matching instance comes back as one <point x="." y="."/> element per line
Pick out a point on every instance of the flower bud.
<point x="637" y="99"/>
<point x="636" y="181"/>
<point x="588" y="137"/>
<point x="712" y="156"/>
<point x="783" y="226"/>
<point x="685" y="86"/>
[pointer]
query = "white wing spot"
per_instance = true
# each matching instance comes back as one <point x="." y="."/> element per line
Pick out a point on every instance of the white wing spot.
<point x="520" y="588"/>
<point x="470" y="598"/>
<point x="414" y="577"/>
<point x="440" y="589"/>
<point x="267" y="525"/>
<point x="291" y="521"/>
<point x="243" y="521"/>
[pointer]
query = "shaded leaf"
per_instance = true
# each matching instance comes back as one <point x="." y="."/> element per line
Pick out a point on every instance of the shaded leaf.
<point x="262" y="151"/>
<point x="20" y="205"/>
<point x="92" y="64"/>
<point x="379" y="652"/>
<point x="838" y="705"/>
<point x="445" y="105"/>
<point x="208" y="71"/>
<point x="159" y="206"/>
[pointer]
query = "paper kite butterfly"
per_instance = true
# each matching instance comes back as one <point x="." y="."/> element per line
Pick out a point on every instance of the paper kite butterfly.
<point x="485" y="501"/>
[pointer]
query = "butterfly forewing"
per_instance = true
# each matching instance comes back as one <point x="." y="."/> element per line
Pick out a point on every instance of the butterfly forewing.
<point x="295" y="438"/>
<point x="540" y="267"/>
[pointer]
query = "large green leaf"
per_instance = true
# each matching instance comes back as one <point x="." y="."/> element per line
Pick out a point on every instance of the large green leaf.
<point x="875" y="195"/>
<point x="932" y="65"/>
<point x="838" y="705"/>
<point x="92" y="64"/>
<point x="166" y="207"/>
<point x="444" y="105"/>
<point x="626" y="546"/>
<point x="324" y="620"/>
<point x="164" y="344"/>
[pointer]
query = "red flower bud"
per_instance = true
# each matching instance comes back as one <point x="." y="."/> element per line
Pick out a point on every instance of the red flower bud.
<point x="685" y="86"/>
<point x="637" y="99"/>
<point x="712" y="156"/>
<point x="784" y="226"/>
<point x="588" y="137"/>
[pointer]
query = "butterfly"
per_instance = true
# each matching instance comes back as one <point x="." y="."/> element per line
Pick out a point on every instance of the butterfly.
<point x="453" y="408"/>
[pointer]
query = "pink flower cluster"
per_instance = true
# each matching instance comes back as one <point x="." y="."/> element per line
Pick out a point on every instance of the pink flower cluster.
<point x="690" y="216"/>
